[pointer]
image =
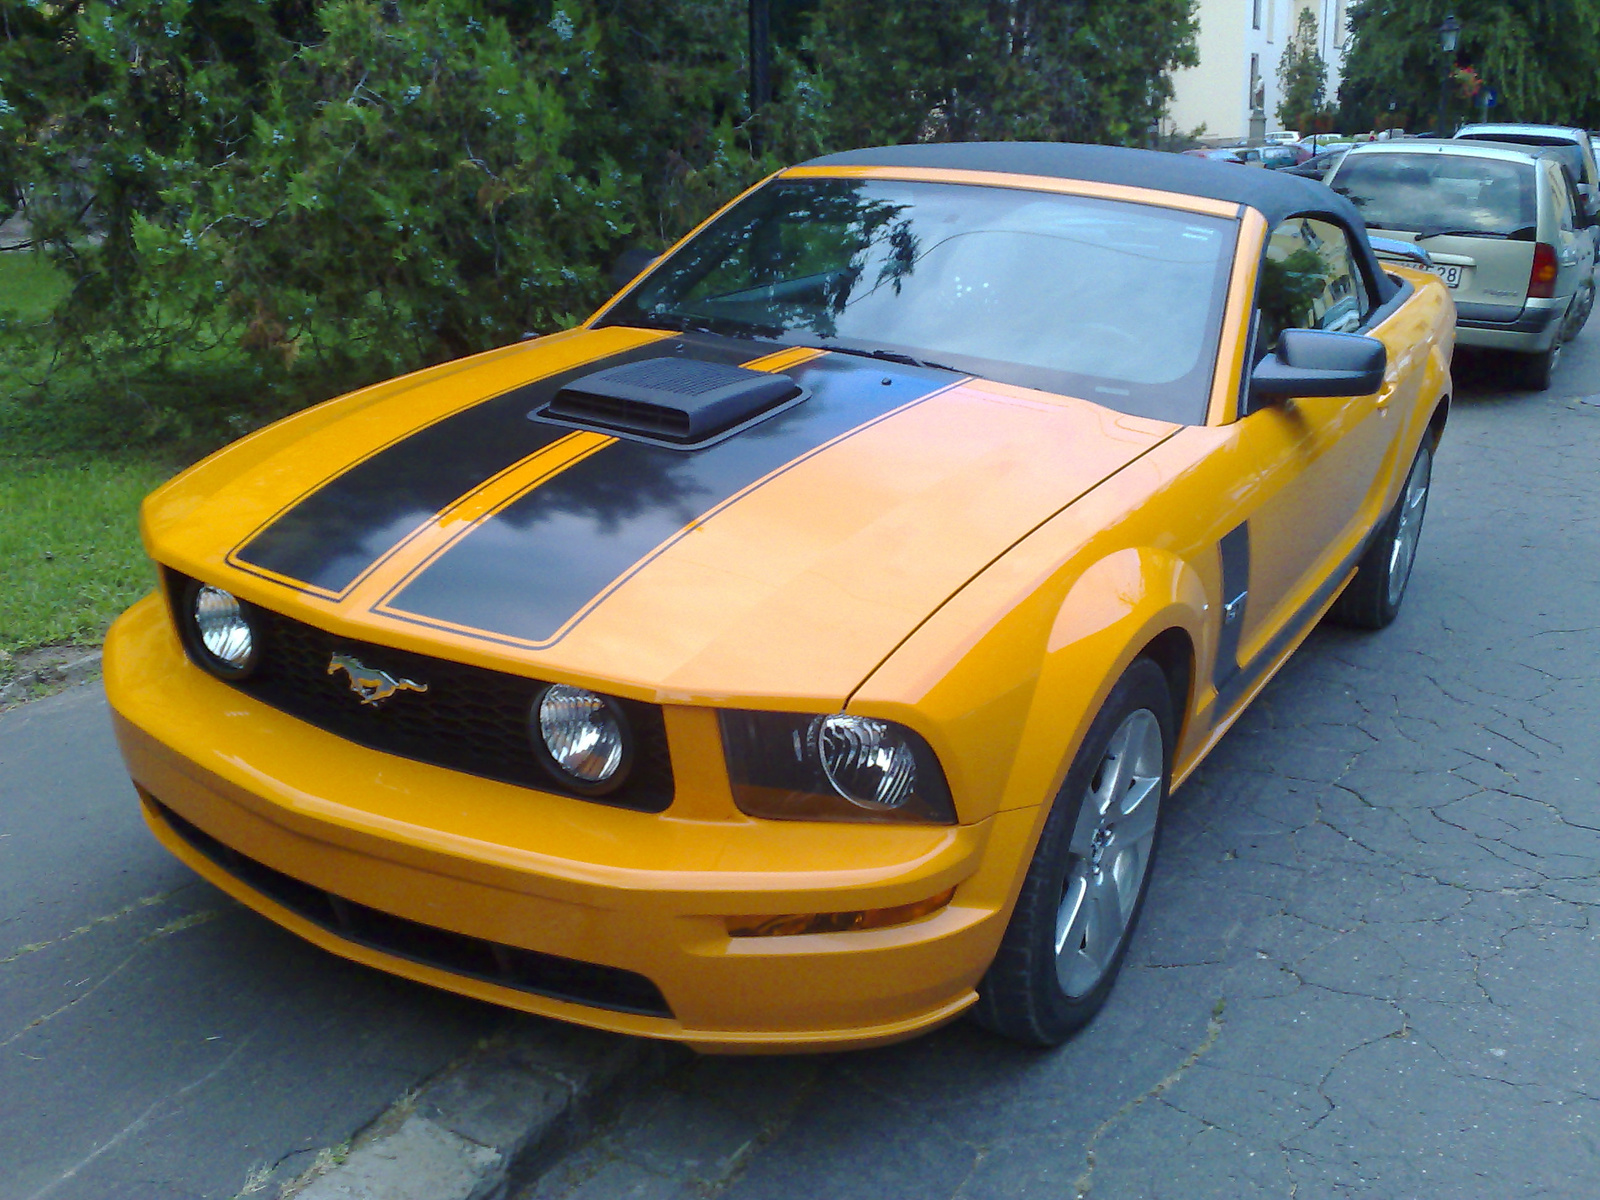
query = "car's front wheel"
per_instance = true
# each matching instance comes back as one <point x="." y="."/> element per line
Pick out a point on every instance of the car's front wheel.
<point x="1374" y="596"/>
<point x="1086" y="884"/>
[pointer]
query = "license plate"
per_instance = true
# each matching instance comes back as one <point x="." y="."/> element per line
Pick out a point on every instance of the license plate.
<point x="1450" y="275"/>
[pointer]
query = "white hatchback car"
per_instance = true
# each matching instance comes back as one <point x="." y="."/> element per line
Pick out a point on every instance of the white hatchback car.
<point x="1573" y="147"/>
<point x="1505" y="229"/>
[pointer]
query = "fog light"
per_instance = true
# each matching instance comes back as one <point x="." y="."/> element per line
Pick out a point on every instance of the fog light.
<point x="583" y="738"/>
<point x="221" y="631"/>
<point x="841" y="922"/>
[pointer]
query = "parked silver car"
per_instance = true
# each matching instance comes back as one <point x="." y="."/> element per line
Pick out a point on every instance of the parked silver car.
<point x="1572" y="146"/>
<point x="1505" y="229"/>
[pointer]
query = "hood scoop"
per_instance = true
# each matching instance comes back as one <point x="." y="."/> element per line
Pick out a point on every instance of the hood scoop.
<point x="678" y="402"/>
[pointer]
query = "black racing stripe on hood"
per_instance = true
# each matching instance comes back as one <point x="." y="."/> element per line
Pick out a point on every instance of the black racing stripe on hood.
<point x="530" y="569"/>
<point x="329" y="538"/>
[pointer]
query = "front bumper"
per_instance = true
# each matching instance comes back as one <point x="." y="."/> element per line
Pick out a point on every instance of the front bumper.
<point x="1531" y="331"/>
<point x="470" y="871"/>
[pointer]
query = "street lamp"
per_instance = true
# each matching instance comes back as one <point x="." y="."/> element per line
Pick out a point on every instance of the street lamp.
<point x="1449" y="38"/>
<point x="760" y="66"/>
<point x="1449" y="34"/>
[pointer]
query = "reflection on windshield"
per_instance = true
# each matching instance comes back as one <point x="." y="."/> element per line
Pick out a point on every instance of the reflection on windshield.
<point x="1421" y="193"/>
<point x="1119" y="303"/>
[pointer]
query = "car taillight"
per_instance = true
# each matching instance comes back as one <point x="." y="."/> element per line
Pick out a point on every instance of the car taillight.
<point x="1542" y="279"/>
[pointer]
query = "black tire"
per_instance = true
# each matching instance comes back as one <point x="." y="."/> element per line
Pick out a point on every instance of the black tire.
<point x="1375" y="595"/>
<point x="1582" y="307"/>
<point x="1539" y="370"/>
<point x="1022" y="996"/>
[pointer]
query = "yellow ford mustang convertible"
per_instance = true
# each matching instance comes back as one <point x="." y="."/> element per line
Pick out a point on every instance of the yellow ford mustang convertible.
<point x="801" y="652"/>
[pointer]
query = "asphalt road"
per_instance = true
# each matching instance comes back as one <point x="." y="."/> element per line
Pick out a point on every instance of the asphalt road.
<point x="1368" y="968"/>
<point x="157" y="1040"/>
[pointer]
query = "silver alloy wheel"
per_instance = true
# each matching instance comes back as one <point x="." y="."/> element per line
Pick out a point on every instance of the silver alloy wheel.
<point x="1403" y="550"/>
<point x="1109" y="853"/>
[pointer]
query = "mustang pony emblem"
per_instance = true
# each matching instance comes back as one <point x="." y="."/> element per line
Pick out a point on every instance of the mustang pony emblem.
<point x="371" y="685"/>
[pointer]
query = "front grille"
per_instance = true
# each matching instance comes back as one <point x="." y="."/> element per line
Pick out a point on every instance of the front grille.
<point x="509" y="966"/>
<point x="470" y="719"/>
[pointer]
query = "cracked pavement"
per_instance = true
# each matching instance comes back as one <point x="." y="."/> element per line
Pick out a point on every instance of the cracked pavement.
<point x="157" y="1040"/>
<point x="1368" y="966"/>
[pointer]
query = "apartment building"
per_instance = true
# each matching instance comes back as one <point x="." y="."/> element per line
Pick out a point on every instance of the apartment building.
<point x="1240" y="43"/>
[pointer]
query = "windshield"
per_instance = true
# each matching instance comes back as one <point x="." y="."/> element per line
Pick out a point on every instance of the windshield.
<point x="1437" y="193"/>
<point x="1115" y="302"/>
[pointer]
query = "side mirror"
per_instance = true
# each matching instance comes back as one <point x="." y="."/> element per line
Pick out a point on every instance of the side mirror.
<point x="629" y="263"/>
<point x="1408" y="252"/>
<point x="1314" y="362"/>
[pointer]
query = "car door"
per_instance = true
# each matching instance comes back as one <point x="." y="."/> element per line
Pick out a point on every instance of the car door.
<point x="1319" y="462"/>
<point x="1574" y="241"/>
<point x="1588" y="191"/>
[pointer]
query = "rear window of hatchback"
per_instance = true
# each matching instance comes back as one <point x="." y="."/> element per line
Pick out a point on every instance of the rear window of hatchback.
<point x="1438" y="193"/>
<point x="1570" y="154"/>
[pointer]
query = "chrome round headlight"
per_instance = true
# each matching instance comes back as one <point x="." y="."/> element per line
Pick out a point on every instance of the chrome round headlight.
<point x="222" y="631"/>
<point x="584" y="738"/>
<point x="866" y="760"/>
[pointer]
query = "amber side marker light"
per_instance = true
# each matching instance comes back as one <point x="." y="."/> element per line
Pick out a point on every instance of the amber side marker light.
<point x="868" y="918"/>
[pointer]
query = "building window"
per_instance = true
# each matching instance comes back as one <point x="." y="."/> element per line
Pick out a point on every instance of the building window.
<point x="1255" y="14"/>
<point x="1272" y="20"/>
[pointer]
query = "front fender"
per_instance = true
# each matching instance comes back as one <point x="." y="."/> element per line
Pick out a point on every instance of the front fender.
<point x="1004" y="680"/>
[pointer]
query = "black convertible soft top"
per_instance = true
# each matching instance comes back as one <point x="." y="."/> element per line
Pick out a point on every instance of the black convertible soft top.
<point x="1274" y="194"/>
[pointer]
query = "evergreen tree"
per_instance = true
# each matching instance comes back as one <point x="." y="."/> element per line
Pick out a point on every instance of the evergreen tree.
<point x="961" y="70"/>
<point x="1302" y="77"/>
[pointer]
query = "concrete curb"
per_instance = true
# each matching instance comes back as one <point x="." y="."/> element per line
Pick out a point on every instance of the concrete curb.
<point x="487" y="1125"/>
<point x="22" y="686"/>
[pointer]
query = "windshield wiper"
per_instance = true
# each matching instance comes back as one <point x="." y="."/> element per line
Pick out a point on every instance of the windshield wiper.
<point x="893" y="356"/>
<point x="718" y="326"/>
<point x="1425" y="234"/>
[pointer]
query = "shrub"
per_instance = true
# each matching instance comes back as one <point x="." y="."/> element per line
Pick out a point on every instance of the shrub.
<point x="256" y="203"/>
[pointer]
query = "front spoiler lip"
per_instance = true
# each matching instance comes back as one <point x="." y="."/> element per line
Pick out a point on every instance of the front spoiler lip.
<point x="615" y="1020"/>
<point x="618" y="990"/>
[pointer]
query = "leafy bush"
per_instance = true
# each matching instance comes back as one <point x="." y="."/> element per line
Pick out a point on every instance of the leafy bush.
<point x="260" y="202"/>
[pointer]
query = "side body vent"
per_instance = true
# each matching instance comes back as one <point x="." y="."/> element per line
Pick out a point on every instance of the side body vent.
<point x="671" y="401"/>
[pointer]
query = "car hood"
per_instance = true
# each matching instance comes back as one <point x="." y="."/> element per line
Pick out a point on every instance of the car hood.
<point x="780" y="565"/>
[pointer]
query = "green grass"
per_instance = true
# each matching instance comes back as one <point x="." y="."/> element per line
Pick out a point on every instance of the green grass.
<point x="81" y="445"/>
<point x="29" y="286"/>
<point x="70" y="558"/>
